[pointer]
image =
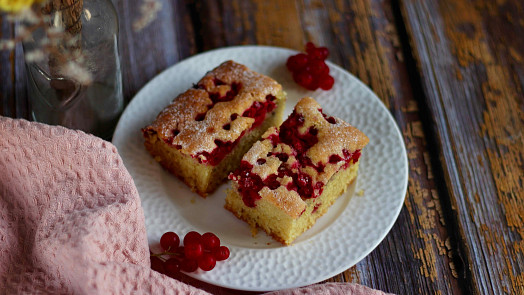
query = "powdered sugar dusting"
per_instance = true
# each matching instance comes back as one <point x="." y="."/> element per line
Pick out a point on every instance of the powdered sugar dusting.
<point x="199" y="121"/>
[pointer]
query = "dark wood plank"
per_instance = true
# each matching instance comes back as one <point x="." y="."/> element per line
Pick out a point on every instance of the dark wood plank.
<point x="469" y="54"/>
<point x="145" y="53"/>
<point x="237" y="22"/>
<point x="13" y="97"/>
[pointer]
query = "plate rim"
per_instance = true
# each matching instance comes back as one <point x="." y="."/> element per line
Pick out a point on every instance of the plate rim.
<point x="398" y="135"/>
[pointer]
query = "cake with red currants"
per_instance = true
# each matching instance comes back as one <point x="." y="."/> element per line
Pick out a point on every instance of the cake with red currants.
<point x="296" y="172"/>
<point x="203" y="134"/>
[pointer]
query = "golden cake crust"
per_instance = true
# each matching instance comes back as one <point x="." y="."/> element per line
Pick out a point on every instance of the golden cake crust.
<point x="178" y="122"/>
<point x="288" y="201"/>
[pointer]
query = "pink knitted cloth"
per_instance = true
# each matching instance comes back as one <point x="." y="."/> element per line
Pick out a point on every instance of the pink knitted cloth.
<point x="71" y="220"/>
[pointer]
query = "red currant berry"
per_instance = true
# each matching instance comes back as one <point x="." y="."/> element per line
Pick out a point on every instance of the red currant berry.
<point x="193" y="250"/>
<point x="192" y="237"/>
<point x="303" y="78"/>
<point x="172" y="266"/>
<point x="322" y="52"/>
<point x="319" y="53"/>
<point x="207" y="262"/>
<point x="313" y="85"/>
<point x="221" y="253"/>
<point x="326" y="82"/>
<point x="169" y="240"/>
<point x="188" y="265"/>
<point x="157" y="264"/>
<point x="210" y="241"/>
<point x="297" y="62"/>
<point x="310" y="47"/>
<point x="318" y="68"/>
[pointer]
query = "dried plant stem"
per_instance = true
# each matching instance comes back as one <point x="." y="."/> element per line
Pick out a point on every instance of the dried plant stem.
<point x="65" y="14"/>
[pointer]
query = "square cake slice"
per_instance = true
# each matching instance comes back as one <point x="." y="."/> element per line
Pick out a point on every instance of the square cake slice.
<point x="203" y="134"/>
<point x="296" y="172"/>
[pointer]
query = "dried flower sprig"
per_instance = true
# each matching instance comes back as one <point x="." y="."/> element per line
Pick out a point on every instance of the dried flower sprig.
<point x="149" y="10"/>
<point x="68" y="59"/>
<point x="57" y="43"/>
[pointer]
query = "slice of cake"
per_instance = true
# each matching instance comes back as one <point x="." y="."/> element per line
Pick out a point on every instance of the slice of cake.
<point x="203" y="134"/>
<point x="295" y="173"/>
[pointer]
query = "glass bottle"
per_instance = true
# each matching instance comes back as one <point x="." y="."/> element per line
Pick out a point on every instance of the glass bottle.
<point x="59" y="98"/>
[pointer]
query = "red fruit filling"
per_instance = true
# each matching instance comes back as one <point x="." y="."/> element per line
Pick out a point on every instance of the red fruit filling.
<point x="289" y="134"/>
<point x="218" y="82"/>
<point x="257" y="111"/>
<point x="249" y="183"/>
<point x="230" y="95"/>
<point x="272" y="182"/>
<point x="219" y="153"/>
<point x="200" y="117"/>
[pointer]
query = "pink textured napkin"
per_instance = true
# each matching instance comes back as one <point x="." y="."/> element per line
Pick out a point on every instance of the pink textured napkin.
<point x="71" y="220"/>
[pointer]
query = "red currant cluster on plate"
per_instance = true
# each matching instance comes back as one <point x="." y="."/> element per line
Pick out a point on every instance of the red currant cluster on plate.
<point x="309" y="69"/>
<point x="196" y="251"/>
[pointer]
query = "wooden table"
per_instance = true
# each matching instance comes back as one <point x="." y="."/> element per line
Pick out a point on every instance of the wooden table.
<point x="452" y="74"/>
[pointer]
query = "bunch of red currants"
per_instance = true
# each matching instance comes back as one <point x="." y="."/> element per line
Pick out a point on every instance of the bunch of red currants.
<point x="310" y="69"/>
<point x="197" y="251"/>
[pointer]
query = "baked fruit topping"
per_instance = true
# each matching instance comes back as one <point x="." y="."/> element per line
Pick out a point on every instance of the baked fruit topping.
<point x="295" y="173"/>
<point x="201" y="136"/>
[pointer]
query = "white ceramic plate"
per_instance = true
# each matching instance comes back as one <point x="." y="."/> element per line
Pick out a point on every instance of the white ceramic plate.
<point x="346" y="234"/>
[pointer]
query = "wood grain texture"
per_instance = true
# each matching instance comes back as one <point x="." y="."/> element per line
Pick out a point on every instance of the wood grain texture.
<point x="167" y="40"/>
<point x="474" y="93"/>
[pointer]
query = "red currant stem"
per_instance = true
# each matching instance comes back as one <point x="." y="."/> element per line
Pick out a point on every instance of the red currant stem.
<point x="167" y="253"/>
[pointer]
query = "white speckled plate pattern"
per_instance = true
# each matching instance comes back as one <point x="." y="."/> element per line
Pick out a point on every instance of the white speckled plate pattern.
<point x="351" y="229"/>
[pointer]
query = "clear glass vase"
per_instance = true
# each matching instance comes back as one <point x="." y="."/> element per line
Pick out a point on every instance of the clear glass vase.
<point x="57" y="95"/>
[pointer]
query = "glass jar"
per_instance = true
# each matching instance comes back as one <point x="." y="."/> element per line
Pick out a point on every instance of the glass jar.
<point x="60" y="98"/>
